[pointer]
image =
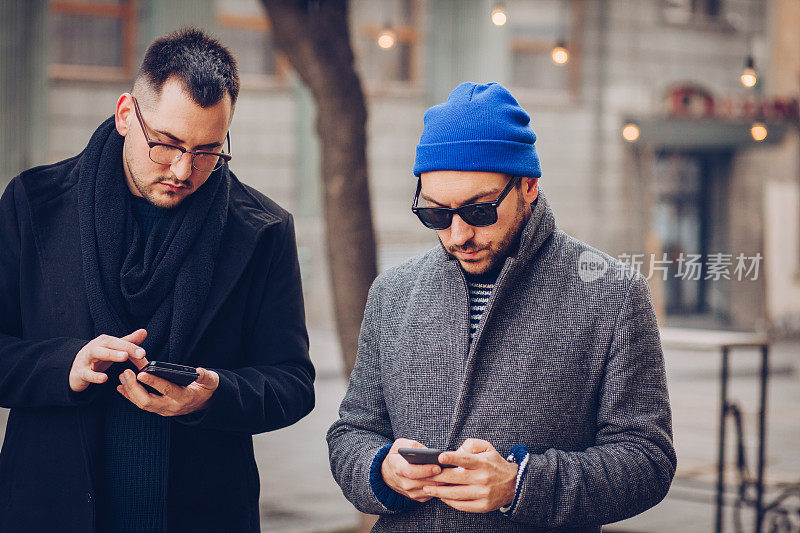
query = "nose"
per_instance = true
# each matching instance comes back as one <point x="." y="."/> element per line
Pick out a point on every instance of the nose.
<point x="182" y="168"/>
<point x="460" y="231"/>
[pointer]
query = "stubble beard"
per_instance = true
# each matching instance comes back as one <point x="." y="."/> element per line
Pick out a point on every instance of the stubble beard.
<point x="507" y="246"/>
<point x="147" y="191"/>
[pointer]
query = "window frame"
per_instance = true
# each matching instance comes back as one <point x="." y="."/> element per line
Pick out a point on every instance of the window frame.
<point x="412" y="35"/>
<point x="695" y="20"/>
<point x="281" y="77"/>
<point x="574" y="44"/>
<point x="127" y="13"/>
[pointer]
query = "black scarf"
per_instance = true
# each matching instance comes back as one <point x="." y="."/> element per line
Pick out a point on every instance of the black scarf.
<point x="162" y="283"/>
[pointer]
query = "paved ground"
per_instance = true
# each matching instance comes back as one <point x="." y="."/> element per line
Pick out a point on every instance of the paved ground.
<point x="299" y="494"/>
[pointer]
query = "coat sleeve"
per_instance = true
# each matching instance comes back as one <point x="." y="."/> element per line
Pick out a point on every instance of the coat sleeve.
<point x="33" y="373"/>
<point x="363" y="427"/>
<point x="631" y="466"/>
<point x="277" y="388"/>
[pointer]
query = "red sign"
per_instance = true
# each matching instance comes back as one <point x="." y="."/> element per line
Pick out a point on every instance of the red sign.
<point x="696" y="102"/>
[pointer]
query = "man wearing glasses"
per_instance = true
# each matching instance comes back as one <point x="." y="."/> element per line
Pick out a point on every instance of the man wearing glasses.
<point x="145" y="247"/>
<point x="545" y="389"/>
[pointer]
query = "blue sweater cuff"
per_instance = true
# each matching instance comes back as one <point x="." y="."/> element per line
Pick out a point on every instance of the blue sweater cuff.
<point x="394" y="501"/>
<point x="519" y="455"/>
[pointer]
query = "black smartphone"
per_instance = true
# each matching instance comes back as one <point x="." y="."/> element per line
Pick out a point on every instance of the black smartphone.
<point x="178" y="374"/>
<point x="422" y="456"/>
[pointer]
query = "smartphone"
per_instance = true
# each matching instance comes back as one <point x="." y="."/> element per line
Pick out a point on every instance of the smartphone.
<point x="178" y="374"/>
<point x="422" y="456"/>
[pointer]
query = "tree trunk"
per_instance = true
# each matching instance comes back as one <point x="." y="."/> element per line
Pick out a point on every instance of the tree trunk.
<point x="315" y="38"/>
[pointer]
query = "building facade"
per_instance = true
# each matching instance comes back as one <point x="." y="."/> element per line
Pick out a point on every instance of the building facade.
<point x="710" y="214"/>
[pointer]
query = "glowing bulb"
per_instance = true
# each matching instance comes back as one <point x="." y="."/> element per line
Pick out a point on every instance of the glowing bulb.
<point x="560" y="54"/>
<point x="630" y="132"/>
<point x="759" y="131"/>
<point x="386" y="39"/>
<point x="749" y="77"/>
<point x="499" y="17"/>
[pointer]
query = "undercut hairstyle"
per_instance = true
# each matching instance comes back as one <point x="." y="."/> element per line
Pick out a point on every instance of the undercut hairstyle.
<point x="206" y="68"/>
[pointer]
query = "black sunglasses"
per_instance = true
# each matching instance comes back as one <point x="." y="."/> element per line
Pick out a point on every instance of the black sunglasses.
<point x="479" y="214"/>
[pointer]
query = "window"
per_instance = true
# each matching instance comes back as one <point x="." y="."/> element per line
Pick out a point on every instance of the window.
<point x="692" y="12"/>
<point x="536" y="27"/>
<point x="93" y="39"/>
<point x="243" y="26"/>
<point x="397" y="65"/>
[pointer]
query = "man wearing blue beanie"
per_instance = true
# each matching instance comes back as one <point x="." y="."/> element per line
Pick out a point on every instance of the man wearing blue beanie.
<point x="530" y="358"/>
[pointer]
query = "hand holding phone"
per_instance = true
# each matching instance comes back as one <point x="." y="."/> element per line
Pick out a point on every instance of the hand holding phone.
<point x="180" y="375"/>
<point x="422" y="456"/>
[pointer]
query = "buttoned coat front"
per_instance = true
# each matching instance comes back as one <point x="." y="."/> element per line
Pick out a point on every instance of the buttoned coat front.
<point x="251" y="332"/>
<point x="567" y="365"/>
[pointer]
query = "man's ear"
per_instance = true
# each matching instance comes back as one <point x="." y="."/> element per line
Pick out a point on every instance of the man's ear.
<point x="530" y="189"/>
<point x="124" y="114"/>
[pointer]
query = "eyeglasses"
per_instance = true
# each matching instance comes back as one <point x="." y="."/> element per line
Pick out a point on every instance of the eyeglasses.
<point x="169" y="154"/>
<point x="479" y="214"/>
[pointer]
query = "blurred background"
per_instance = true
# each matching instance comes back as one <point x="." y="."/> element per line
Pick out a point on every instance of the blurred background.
<point x="668" y="137"/>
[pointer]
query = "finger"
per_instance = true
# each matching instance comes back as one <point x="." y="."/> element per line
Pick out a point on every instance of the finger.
<point x="452" y="492"/>
<point x="462" y="459"/>
<point x="206" y="379"/>
<point x="166" y="388"/>
<point x="118" y="344"/>
<point x="136" y="393"/>
<point x="101" y="353"/>
<point x="475" y="446"/>
<point x="140" y="363"/>
<point x="93" y="377"/>
<point x="405" y="443"/>
<point x="121" y="390"/>
<point x="469" y="506"/>
<point x="410" y="471"/>
<point x="455" y="476"/>
<point x="137" y="337"/>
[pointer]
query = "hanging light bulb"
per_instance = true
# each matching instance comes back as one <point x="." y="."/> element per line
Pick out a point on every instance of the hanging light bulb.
<point x="630" y="132"/>
<point x="387" y="37"/>
<point x="759" y="131"/>
<point x="749" y="77"/>
<point x="499" y="16"/>
<point x="560" y="54"/>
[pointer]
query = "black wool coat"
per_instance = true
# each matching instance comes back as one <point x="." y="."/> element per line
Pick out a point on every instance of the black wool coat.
<point x="251" y="331"/>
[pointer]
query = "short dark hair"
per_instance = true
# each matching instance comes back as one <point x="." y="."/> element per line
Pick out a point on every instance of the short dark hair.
<point x="206" y="67"/>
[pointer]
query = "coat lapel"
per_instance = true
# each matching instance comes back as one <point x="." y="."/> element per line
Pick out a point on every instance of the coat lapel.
<point x="538" y="229"/>
<point x="239" y="242"/>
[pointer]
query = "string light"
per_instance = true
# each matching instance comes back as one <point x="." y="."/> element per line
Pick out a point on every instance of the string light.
<point x="759" y="131"/>
<point x="386" y="38"/>
<point x="499" y="16"/>
<point x="749" y="77"/>
<point x="560" y="54"/>
<point x="630" y="132"/>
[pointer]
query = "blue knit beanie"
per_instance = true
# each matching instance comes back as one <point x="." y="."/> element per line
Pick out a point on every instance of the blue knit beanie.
<point x="479" y="128"/>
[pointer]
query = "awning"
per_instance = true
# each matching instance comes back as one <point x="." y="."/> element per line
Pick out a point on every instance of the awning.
<point x="705" y="134"/>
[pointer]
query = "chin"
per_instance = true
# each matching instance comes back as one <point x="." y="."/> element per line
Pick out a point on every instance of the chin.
<point x="164" y="200"/>
<point x="479" y="267"/>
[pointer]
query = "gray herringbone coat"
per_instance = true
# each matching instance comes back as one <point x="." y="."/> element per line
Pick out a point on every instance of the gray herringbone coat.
<point x="570" y="368"/>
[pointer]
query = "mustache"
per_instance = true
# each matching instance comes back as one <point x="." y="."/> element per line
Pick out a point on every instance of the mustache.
<point x="173" y="183"/>
<point x="465" y="248"/>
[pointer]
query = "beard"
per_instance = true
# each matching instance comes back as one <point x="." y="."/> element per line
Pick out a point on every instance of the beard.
<point x="149" y="192"/>
<point x="497" y="251"/>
